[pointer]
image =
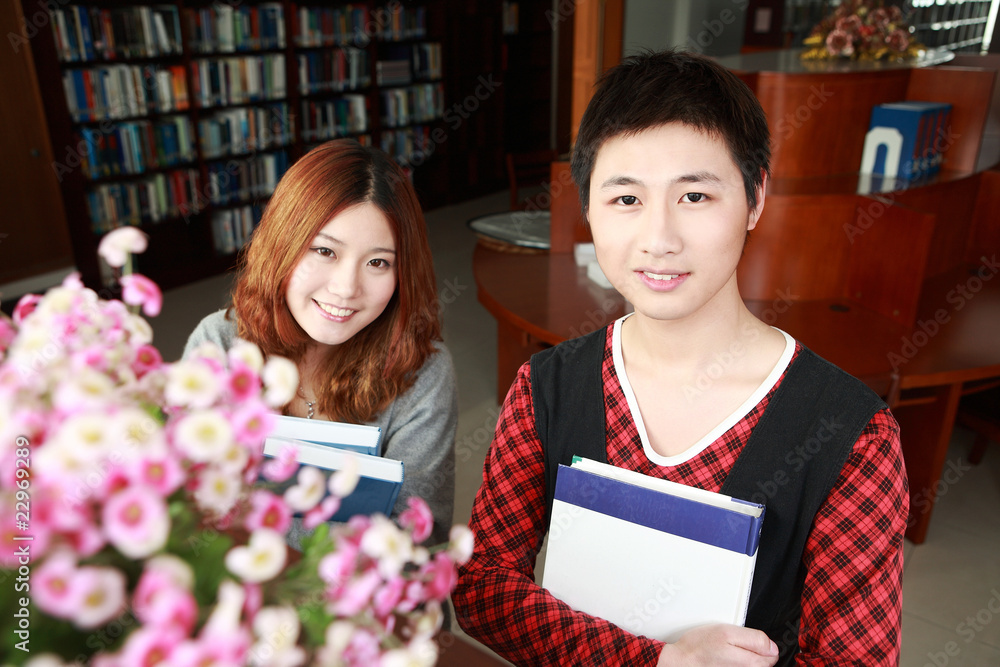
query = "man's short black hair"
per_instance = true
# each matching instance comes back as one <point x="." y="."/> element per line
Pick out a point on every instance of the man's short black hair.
<point x="652" y="89"/>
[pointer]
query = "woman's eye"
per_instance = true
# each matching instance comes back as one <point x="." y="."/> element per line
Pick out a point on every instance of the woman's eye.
<point x="695" y="197"/>
<point x="628" y="200"/>
<point x="379" y="263"/>
<point x="323" y="252"/>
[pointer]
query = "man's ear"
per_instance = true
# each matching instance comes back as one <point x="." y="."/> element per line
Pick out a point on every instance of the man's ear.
<point x="759" y="208"/>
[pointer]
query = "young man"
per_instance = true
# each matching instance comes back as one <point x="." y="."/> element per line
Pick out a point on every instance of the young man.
<point x="671" y="162"/>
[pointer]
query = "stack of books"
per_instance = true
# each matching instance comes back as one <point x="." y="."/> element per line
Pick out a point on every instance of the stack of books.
<point x="327" y="445"/>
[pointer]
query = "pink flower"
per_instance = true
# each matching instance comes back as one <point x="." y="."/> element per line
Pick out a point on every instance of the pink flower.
<point x="322" y="512"/>
<point x="25" y="306"/>
<point x="53" y="586"/>
<point x="100" y="596"/>
<point x="838" y="43"/>
<point x="117" y="244"/>
<point x="336" y="567"/>
<point x="898" y="40"/>
<point x="388" y="596"/>
<point x="147" y="647"/>
<point x="879" y="17"/>
<point x="268" y="511"/>
<point x="443" y="576"/>
<point x="136" y="522"/>
<point x="147" y="358"/>
<point x="244" y="383"/>
<point x="417" y="518"/>
<point x="252" y="421"/>
<point x="849" y="23"/>
<point x="356" y="595"/>
<point x="282" y="466"/>
<point x="7" y="333"/>
<point x="162" y="473"/>
<point x="138" y="290"/>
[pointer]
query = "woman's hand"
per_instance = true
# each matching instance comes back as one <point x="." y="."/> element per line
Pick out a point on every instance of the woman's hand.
<point x="720" y="645"/>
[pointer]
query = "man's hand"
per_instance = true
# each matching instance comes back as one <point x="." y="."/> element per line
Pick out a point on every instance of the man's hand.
<point x="720" y="645"/>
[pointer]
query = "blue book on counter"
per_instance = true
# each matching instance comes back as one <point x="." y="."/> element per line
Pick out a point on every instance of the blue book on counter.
<point x="654" y="557"/>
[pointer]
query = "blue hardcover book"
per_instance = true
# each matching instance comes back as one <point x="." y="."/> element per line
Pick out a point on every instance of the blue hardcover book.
<point x="378" y="486"/>
<point x="654" y="557"/>
<point x="902" y="140"/>
<point x="83" y="20"/>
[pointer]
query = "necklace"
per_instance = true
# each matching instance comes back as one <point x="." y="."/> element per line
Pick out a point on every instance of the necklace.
<point x="311" y="405"/>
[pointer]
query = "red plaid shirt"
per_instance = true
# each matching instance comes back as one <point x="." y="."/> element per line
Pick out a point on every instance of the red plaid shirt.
<point x="851" y="601"/>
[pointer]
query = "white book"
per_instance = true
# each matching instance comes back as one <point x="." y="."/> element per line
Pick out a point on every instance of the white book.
<point x="653" y="557"/>
<point x="360" y="438"/>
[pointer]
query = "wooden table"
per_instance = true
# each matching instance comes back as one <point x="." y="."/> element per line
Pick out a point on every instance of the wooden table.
<point x="455" y="652"/>
<point x="541" y="300"/>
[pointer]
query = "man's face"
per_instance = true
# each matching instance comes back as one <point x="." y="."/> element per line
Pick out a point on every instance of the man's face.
<point x="669" y="215"/>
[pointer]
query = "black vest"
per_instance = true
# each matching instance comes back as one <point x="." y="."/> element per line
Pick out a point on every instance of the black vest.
<point x="790" y="463"/>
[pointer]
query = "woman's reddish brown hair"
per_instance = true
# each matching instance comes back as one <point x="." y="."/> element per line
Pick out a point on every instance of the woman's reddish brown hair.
<point x="365" y="373"/>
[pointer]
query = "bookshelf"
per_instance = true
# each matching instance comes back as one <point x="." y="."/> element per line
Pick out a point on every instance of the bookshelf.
<point x="182" y="118"/>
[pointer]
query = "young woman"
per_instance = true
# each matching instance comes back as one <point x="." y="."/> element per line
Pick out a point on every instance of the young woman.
<point x="338" y="277"/>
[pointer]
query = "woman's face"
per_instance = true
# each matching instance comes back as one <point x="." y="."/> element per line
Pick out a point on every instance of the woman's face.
<point x="346" y="278"/>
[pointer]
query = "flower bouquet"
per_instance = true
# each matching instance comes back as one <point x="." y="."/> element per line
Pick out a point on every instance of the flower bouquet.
<point x="133" y="529"/>
<point x="862" y="30"/>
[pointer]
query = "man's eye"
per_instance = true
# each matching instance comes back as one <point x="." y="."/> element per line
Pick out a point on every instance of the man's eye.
<point x="695" y="197"/>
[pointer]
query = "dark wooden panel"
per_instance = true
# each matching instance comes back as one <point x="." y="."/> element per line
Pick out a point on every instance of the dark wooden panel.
<point x="800" y="246"/>
<point x="889" y="246"/>
<point x="985" y="236"/>
<point x="567" y="226"/>
<point x="953" y="204"/>
<point x="818" y="122"/>
<point x="969" y="90"/>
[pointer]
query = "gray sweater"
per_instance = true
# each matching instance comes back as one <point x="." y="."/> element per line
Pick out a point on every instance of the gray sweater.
<point x="418" y="427"/>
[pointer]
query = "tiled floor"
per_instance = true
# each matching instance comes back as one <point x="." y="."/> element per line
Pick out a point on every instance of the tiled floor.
<point x="951" y="588"/>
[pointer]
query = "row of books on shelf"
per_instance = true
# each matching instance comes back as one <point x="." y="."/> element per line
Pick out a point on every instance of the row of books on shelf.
<point x="152" y="199"/>
<point x="90" y="33"/>
<point x="123" y="91"/>
<point x="238" y="79"/>
<point x="415" y="104"/>
<point x="136" y="147"/>
<point x="334" y="70"/>
<point x="411" y="145"/>
<point x="327" y="26"/>
<point x="427" y="60"/>
<point x="225" y="28"/>
<point x="246" y="129"/>
<point x="398" y="22"/>
<point x="334" y="118"/>
<point x="238" y="181"/>
<point x="393" y="72"/>
<point x="232" y="227"/>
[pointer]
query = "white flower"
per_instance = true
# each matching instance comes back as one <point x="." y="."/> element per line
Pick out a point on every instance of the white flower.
<point x="281" y="380"/>
<point x="420" y="653"/>
<point x="429" y="622"/>
<point x="261" y="559"/>
<point x="387" y="544"/>
<point x="248" y="353"/>
<point x="336" y="640"/>
<point x="234" y="459"/>
<point x="86" y="388"/>
<point x="117" y="244"/>
<point x="139" y="433"/>
<point x="309" y="490"/>
<point x="176" y="569"/>
<point x="45" y="660"/>
<point x="89" y="435"/>
<point x="192" y="383"/>
<point x="460" y="544"/>
<point x="225" y="619"/>
<point x="277" y="631"/>
<point x="344" y="481"/>
<point x="140" y="332"/>
<point x="204" y="436"/>
<point x="101" y="596"/>
<point x="218" y="490"/>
